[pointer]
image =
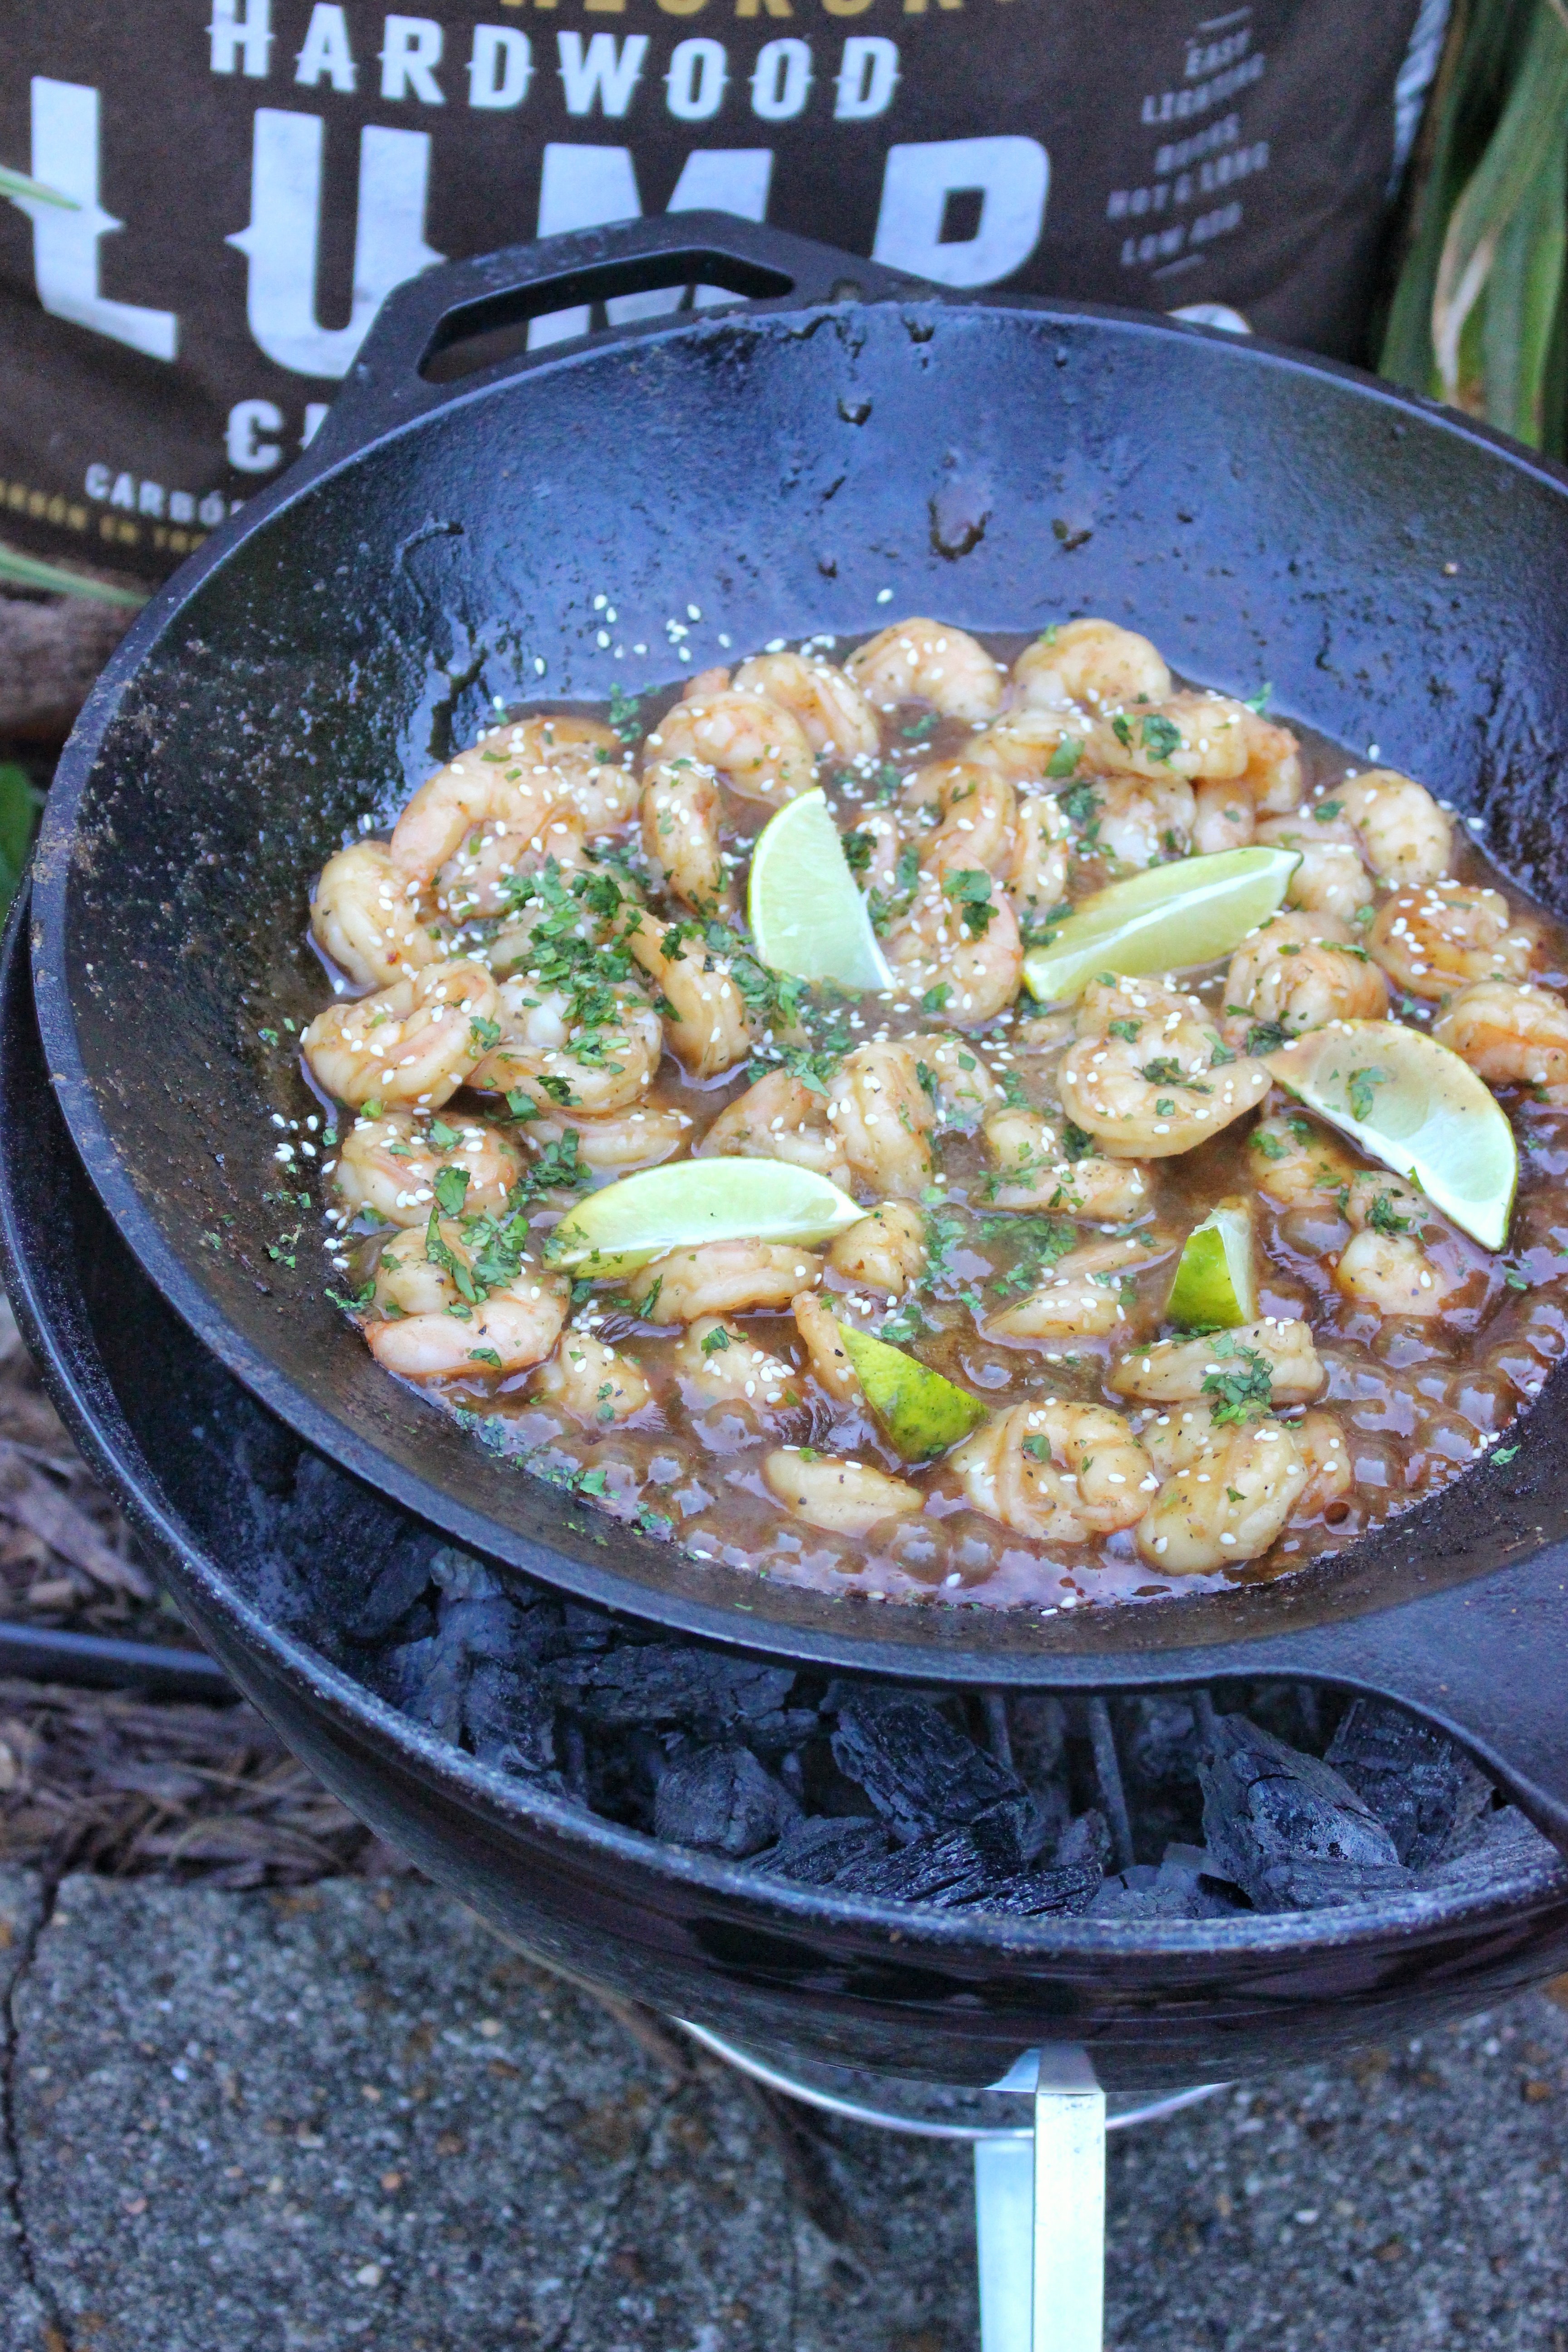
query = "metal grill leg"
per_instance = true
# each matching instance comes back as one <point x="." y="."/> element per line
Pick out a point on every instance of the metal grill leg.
<point x="1040" y="2222"/>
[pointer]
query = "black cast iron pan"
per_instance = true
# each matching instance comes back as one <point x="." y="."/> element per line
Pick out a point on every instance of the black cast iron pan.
<point x="1256" y="512"/>
<point x="798" y="1974"/>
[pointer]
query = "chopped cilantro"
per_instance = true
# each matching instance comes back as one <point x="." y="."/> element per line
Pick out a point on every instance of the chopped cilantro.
<point x="442" y="1135"/>
<point x="935" y="999"/>
<point x="1164" y="1070"/>
<point x="624" y="714"/>
<point x="1515" y="1279"/>
<point x="592" y="1482"/>
<point x="1162" y="736"/>
<point x="1360" y="1089"/>
<point x="1081" y="804"/>
<point x="1063" y="759"/>
<point x="1078" y="1143"/>
<point x="1503" y="1452"/>
<point x="1126" y="1030"/>
<point x="1012" y="1093"/>
<point x="521" y="1106"/>
<point x="1382" y="1218"/>
<point x="1273" y="1147"/>
<point x="971" y="892"/>
<point x="1165" y="1105"/>
<point x="1258" y="702"/>
<point x="716" y="1341"/>
<point x="858" y="849"/>
<point x="1238" y="1396"/>
<point x="1326" y="811"/>
<point x="451" y="1188"/>
<point x="1266" y="1036"/>
<point x="921" y="730"/>
<point x="485" y="1034"/>
<point x="485" y="1356"/>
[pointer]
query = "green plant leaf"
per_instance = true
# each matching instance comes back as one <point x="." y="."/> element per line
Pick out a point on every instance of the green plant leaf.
<point x="19" y="805"/>
<point x="28" y="571"/>
<point x="1522" y="300"/>
<point x="18" y="187"/>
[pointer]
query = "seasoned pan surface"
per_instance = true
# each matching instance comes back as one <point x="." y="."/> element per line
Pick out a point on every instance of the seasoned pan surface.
<point x="802" y="466"/>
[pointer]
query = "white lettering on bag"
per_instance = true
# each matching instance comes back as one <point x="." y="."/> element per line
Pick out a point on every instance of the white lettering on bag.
<point x="410" y="54"/>
<point x="247" y="421"/>
<point x="866" y="78"/>
<point x="1012" y="178"/>
<point x="249" y="37"/>
<point x="500" y="67"/>
<point x="65" y="238"/>
<point x="780" y="80"/>
<point x="281" y="242"/>
<point x="587" y="187"/>
<point x="326" y="50"/>
<point x="698" y="71"/>
<point x="602" y="71"/>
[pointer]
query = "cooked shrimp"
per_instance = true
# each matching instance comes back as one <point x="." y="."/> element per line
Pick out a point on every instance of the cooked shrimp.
<point x="590" y="758"/>
<point x="1142" y="1075"/>
<point x="1224" y="815"/>
<point x="718" y="1361"/>
<point x="1328" y="878"/>
<point x="779" y="1118"/>
<point x="1022" y="744"/>
<point x="978" y="813"/>
<point x="1082" y="1295"/>
<point x="1296" y="1162"/>
<point x="825" y="1352"/>
<point x="1273" y="771"/>
<point x="761" y="750"/>
<point x="882" y="1115"/>
<point x="1034" y="1171"/>
<point x="886" y="1251"/>
<point x="390" y="1165"/>
<point x="721" y="1278"/>
<point x="831" y="707"/>
<point x="680" y="813"/>
<point x="1509" y="1037"/>
<point x="1299" y="972"/>
<point x="1190" y="734"/>
<point x="922" y="661"/>
<point x="415" y="1042"/>
<point x="1178" y="1368"/>
<point x="1405" y="835"/>
<point x="362" y="915"/>
<point x="431" y="1330"/>
<point x="476" y="827"/>
<point x="547" y="1052"/>
<point x="1139" y="823"/>
<point x="1228" y="1504"/>
<point x="1037" y="873"/>
<point x="1092" y="661"/>
<point x="618" y="1141"/>
<point x="1385" y="1264"/>
<point x="1443" y="934"/>
<point x="591" y="1381"/>
<point x="843" y="1497"/>
<point x="1061" y="1472"/>
<point x="960" y="935"/>
<point x="957" y="1079"/>
<point x="708" y="1029"/>
<point x="1319" y="1442"/>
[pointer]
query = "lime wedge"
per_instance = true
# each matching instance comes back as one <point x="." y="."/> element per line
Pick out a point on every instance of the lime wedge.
<point x="694" y="1201"/>
<point x="1215" y="1287"/>
<point x="920" y="1412"/>
<point x="807" y="916"/>
<point x="1412" y="1104"/>
<point x="1191" y="912"/>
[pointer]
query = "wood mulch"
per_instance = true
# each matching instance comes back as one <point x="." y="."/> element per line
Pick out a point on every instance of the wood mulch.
<point x="108" y="1780"/>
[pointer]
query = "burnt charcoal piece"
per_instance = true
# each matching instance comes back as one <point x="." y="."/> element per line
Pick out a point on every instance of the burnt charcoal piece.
<point x="1159" y="1742"/>
<point x="1505" y="1844"/>
<point x="1425" y="1791"/>
<point x="668" y="1682"/>
<point x="949" y="1867"/>
<point x="1286" y="1828"/>
<point x="721" y="1801"/>
<point x="919" y="1772"/>
<point x="1042" y="1894"/>
<point x="389" y="1565"/>
<point x="1181" y="1888"/>
<point x="814" y="1853"/>
<point x="508" y="1717"/>
<point x="1084" y="1842"/>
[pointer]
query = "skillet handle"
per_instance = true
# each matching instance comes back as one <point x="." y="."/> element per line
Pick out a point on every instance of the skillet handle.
<point x="435" y="313"/>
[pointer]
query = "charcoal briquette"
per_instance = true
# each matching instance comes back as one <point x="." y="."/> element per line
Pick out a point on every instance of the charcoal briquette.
<point x="815" y="1852"/>
<point x="1286" y="1828"/>
<point x="670" y="1681"/>
<point x="1084" y="1841"/>
<point x="1425" y="1791"/>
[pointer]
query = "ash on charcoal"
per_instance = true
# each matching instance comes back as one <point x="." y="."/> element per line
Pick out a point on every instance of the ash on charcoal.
<point x="1085" y="1843"/>
<point x="1182" y="1887"/>
<point x="918" y="1772"/>
<point x="1505" y="1842"/>
<point x="1425" y="1791"/>
<point x="1286" y="1828"/>
<point x="721" y="1801"/>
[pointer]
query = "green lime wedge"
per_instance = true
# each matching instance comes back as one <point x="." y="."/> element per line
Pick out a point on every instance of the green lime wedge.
<point x="1417" y="1106"/>
<point x="806" y="913"/>
<point x="920" y="1412"/>
<point x="1190" y="912"/>
<point x="1215" y="1287"/>
<point x="694" y="1201"/>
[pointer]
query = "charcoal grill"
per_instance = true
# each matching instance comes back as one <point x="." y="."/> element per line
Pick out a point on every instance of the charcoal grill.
<point x="901" y="2016"/>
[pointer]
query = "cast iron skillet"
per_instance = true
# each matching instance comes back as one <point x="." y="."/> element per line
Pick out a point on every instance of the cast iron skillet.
<point x="1260" y="514"/>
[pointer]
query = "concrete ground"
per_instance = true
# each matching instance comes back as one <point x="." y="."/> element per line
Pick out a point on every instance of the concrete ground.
<point x="346" y="2117"/>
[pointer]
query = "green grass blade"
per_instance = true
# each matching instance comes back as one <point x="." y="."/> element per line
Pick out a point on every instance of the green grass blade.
<point x="20" y="571"/>
<point x="19" y="805"/>
<point x="1521" y="302"/>
<point x="18" y="186"/>
<point x="1518" y="154"/>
